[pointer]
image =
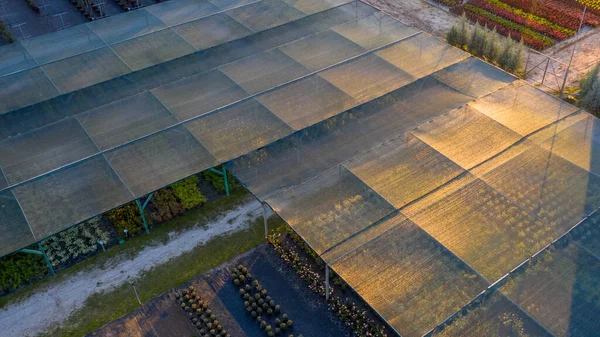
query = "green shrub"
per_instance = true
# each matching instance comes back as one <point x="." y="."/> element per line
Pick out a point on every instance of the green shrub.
<point x="19" y="268"/>
<point x="165" y="205"/>
<point x="5" y="33"/>
<point x="187" y="192"/>
<point x="217" y="180"/>
<point x="127" y="217"/>
<point x="492" y="46"/>
<point x="590" y="91"/>
<point x="478" y="42"/>
<point x="75" y="242"/>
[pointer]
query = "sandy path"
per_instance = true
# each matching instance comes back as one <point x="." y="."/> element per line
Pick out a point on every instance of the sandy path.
<point x="54" y="304"/>
<point x="417" y="13"/>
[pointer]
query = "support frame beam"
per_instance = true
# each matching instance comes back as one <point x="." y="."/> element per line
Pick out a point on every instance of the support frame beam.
<point x="142" y="208"/>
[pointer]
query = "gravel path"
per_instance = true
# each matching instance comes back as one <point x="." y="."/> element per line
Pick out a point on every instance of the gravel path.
<point x="55" y="303"/>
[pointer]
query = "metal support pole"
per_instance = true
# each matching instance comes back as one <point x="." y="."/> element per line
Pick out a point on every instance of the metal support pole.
<point x="225" y="181"/>
<point x="562" y="88"/>
<point x="43" y="253"/>
<point x="546" y="70"/>
<point x="223" y="173"/>
<point x="326" y="282"/>
<point x="50" y="267"/>
<point x="265" y="219"/>
<point x="141" y="208"/>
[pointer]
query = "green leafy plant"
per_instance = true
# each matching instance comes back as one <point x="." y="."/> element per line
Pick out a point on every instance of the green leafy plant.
<point x="18" y="269"/>
<point x="5" y="33"/>
<point x="187" y="192"/>
<point x="590" y="91"/>
<point x="216" y="180"/>
<point x="75" y="242"/>
<point x="127" y="217"/>
<point x="164" y="205"/>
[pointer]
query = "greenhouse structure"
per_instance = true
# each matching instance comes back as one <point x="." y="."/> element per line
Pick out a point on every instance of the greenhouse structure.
<point x="447" y="193"/>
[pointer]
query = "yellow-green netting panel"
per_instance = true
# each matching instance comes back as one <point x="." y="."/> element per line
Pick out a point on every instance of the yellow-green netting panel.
<point x="307" y="101"/>
<point x="41" y="150"/>
<point x="495" y="316"/>
<point x="409" y="278"/>
<point x="117" y="28"/>
<point x="523" y="108"/>
<point x="588" y="233"/>
<point x="264" y="71"/>
<point x="265" y="14"/>
<point x="328" y="143"/>
<point x="321" y="50"/>
<point x="86" y="69"/>
<point x="25" y="88"/>
<point x="14" y="57"/>
<point x="466" y="136"/>
<point x="315" y="6"/>
<point x="579" y="143"/>
<point x="474" y="77"/>
<point x="367" y="77"/>
<point x="485" y="229"/>
<point x="375" y="31"/>
<point x="422" y="55"/>
<point x="70" y="196"/>
<point x="182" y="11"/>
<point x="160" y="160"/>
<point x="404" y="169"/>
<point x="556" y="191"/>
<point x="330" y="208"/>
<point x="151" y="49"/>
<point x="239" y="129"/>
<point x="126" y="120"/>
<point x="222" y="29"/>
<point x="13" y="225"/>
<point x="63" y="43"/>
<point x="561" y="291"/>
<point x="199" y="94"/>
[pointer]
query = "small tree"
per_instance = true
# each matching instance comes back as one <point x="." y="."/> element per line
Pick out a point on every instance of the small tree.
<point x="452" y="37"/>
<point x="492" y="48"/>
<point x="477" y="42"/>
<point x="590" y="91"/>
<point x="590" y="78"/>
<point x="463" y="31"/>
<point x="504" y="58"/>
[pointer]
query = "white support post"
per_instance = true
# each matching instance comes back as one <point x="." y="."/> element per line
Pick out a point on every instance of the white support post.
<point x="326" y="282"/>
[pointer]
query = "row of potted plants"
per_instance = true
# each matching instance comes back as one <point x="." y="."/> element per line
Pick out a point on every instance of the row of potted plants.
<point x="503" y="26"/>
<point x="201" y="316"/>
<point x="561" y="13"/>
<point x="259" y="305"/>
<point x="539" y="24"/>
<point x="353" y="316"/>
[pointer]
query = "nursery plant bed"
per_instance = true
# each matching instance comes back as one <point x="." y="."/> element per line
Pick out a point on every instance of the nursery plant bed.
<point x="310" y="313"/>
<point x="343" y="292"/>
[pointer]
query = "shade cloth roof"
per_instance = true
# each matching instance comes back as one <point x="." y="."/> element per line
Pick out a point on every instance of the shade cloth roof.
<point x="426" y="178"/>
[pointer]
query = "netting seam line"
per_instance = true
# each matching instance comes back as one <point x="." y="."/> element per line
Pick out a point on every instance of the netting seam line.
<point x="38" y="64"/>
<point x="374" y="224"/>
<point x="106" y="159"/>
<point x="25" y="216"/>
<point x="468" y="170"/>
<point x="490" y="288"/>
<point x="51" y="81"/>
<point x="217" y="109"/>
<point x="580" y="245"/>
<point x="18" y="203"/>
<point x="364" y="300"/>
